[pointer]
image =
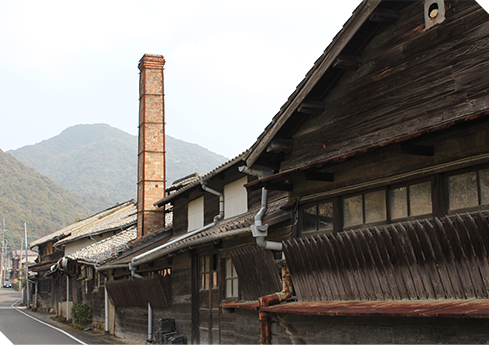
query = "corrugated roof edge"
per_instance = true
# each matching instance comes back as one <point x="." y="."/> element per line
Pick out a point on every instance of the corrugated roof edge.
<point x="205" y="177"/>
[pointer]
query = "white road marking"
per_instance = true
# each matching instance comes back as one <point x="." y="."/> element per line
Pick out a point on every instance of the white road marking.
<point x="46" y="324"/>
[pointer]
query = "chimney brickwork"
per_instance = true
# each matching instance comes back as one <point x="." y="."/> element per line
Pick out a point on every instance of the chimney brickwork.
<point x="151" y="152"/>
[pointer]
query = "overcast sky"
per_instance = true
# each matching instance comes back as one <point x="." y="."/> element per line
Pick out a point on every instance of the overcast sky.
<point x="230" y="65"/>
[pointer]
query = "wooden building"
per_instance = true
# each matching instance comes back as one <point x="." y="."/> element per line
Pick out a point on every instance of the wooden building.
<point x="384" y="149"/>
<point x="378" y="197"/>
<point x="360" y="215"/>
<point x="59" y="278"/>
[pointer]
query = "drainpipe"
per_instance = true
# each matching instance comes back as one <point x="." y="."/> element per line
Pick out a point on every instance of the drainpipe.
<point x="133" y="268"/>
<point x="106" y="308"/>
<point x="221" y="200"/>
<point x="258" y="229"/>
<point x="64" y="264"/>
<point x="188" y="234"/>
<point x="275" y="298"/>
<point x="150" y="310"/>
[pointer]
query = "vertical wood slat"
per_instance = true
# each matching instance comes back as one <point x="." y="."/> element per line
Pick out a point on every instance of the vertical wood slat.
<point x="439" y="261"/>
<point x="257" y="272"/>
<point x="138" y="292"/>
<point x="471" y="258"/>
<point x="336" y="268"/>
<point x="384" y="281"/>
<point x="363" y="267"/>
<point x="389" y="269"/>
<point x="449" y="256"/>
<point x="435" y="260"/>
<point x="460" y="259"/>
<point x="374" y="276"/>
<point x="399" y="276"/>
<point x="404" y="263"/>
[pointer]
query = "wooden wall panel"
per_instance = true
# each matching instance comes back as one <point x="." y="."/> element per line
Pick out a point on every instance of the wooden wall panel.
<point x="426" y="78"/>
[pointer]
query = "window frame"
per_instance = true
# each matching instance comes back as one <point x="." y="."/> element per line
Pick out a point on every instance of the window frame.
<point x="479" y="205"/>
<point x="231" y="278"/>
<point x="338" y="207"/>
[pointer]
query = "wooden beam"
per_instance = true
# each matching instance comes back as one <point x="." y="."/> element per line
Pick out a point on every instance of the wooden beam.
<point x="286" y="187"/>
<point x="319" y="176"/>
<point x="311" y="107"/>
<point x="418" y="150"/>
<point x="383" y="15"/>
<point x="347" y="62"/>
<point x="280" y="145"/>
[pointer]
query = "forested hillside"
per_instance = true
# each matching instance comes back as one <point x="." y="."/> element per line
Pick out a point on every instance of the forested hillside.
<point x="26" y="196"/>
<point x="98" y="163"/>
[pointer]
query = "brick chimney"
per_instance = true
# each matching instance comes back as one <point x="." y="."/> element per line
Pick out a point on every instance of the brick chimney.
<point x="151" y="152"/>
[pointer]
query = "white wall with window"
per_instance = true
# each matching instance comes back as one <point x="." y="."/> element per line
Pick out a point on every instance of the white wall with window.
<point x="196" y="214"/>
<point x="235" y="198"/>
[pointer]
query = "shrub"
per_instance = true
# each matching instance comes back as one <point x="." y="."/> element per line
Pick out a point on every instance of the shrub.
<point x="81" y="314"/>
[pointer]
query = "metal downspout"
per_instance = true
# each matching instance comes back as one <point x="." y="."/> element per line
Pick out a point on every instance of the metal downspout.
<point x="258" y="229"/>
<point x="150" y="310"/>
<point x="275" y="298"/>
<point x="67" y="297"/>
<point x="63" y="266"/>
<point x="189" y="234"/>
<point x="106" y="309"/>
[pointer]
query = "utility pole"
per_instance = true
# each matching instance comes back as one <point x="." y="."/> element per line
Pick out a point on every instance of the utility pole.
<point x="26" y="267"/>
<point x="3" y="253"/>
<point x="20" y="262"/>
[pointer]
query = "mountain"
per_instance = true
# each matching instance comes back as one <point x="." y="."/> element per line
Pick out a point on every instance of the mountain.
<point x="30" y="197"/>
<point x="98" y="163"/>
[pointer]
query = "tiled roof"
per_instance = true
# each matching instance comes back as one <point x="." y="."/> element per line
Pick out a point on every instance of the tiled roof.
<point x="106" y="249"/>
<point x="62" y="233"/>
<point x="121" y="218"/>
<point x="182" y="182"/>
<point x="221" y="229"/>
<point x="140" y="247"/>
<point x="205" y="177"/>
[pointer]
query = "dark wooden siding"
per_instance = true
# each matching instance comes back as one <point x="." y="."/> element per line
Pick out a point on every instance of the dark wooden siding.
<point x="257" y="272"/>
<point x="438" y="259"/>
<point x="411" y="78"/>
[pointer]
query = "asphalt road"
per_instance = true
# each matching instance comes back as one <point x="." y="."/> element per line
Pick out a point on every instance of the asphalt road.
<point x="18" y="327"/>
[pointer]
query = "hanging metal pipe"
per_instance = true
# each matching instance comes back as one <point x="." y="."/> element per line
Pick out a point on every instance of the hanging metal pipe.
<point x="145" y="257"/>
<point x="260" y="230"/>
<point x="150" y="322"/>
<point x="106" y="309"/>
<point x="67" y="297"/>
<point x="150" y="310"/>
<point x="221" y="199"/>
<point x="265" y="301"/>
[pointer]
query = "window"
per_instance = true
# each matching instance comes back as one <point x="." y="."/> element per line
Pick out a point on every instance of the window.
<point x="378" y="206"/>
<point x="412" y="200"/>
<point x="468" y="190"/>
<point x="364" y="208"/>
<point x="318" y="217"/>
<point x="231" y="280"/>
<point x="235" y="198"/>
<point x="196" y="214"/>
<point x="208" y="272"/>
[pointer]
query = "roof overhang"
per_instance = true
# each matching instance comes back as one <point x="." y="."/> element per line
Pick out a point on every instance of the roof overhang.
<point x="278" y="180"/>
<point x="297" y="101"/>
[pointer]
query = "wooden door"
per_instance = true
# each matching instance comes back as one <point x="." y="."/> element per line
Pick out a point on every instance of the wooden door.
<point x="209" y="311"/>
